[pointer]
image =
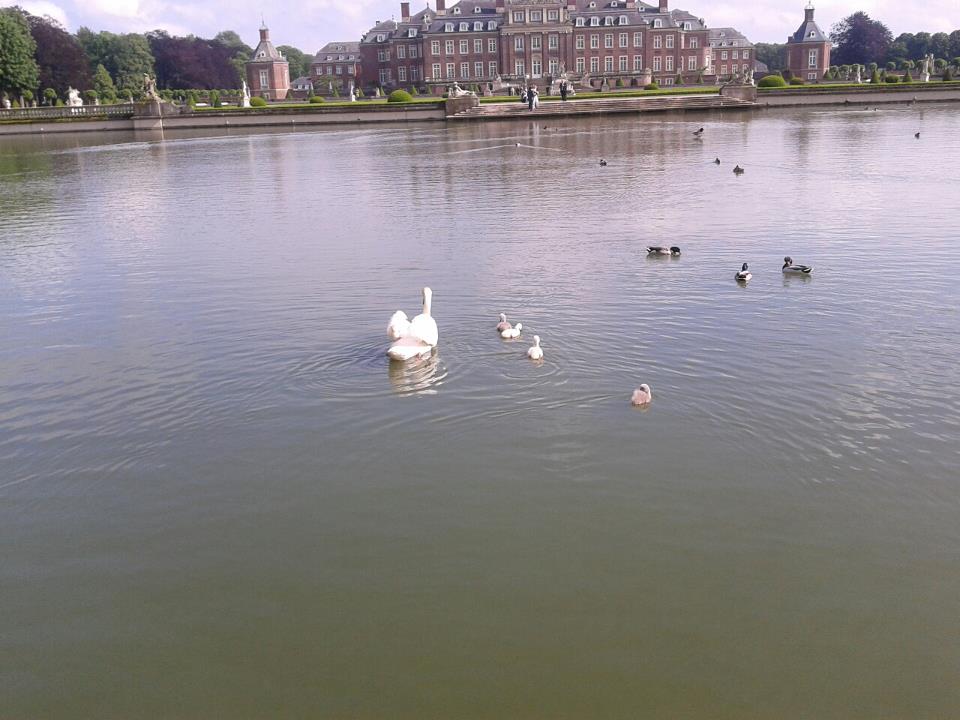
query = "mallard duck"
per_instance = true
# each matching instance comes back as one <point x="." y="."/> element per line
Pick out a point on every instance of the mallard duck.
<point x="535" y="352"/>
<point x="717" y="161"/>
<point x="503" y="324"/>
<point x="744" y="274"/>
<point x="662" y="250"/>
<point x="603" y="163"/>
<point x="512" y="333"/>
<point x="917" y="135"/>
<point x="641" y="396"/>
<point x="791" y="269"/>
<point x="738" y="170"/>
<point x="698" y="133"/>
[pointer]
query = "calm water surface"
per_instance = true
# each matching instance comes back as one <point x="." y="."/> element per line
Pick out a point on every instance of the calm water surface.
<point x="218" y="498"/>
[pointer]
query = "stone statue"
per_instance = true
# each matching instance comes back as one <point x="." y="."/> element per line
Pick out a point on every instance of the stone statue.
<point x="351" y="88"/>
<point x="73" y="97"/>
<point x="456" y="91"/>
<point x="927" y="66"/>
<point x="6" y="103"/>
<point x="149" y="88"/>
<point x="245" y="99"/>
<point x="859" y="78"/>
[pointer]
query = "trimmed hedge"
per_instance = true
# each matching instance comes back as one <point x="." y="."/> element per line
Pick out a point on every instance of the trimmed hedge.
<point x="892" y="79"/>
<point x="797" y="80"/>
<point x="651" y="86"/>
<point x="399" y="96"/>
<point x="772" y="81"/>
<point x="257" y="102"/>
<point x="316" y="100"/>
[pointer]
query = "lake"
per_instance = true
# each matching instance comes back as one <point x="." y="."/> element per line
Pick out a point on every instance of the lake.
<point x="218" y="498"/>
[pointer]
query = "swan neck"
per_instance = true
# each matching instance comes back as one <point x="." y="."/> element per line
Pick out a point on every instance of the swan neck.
<point x="427" y="297"/>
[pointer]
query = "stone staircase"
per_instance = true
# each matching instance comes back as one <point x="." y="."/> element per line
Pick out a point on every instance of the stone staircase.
<point x="600" y="106"/>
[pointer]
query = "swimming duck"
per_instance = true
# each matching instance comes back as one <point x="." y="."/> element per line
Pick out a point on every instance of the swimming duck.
<point x="738" y="170"/>
<point x="717" y="161"/>
<point x="791" y="269"/>
<point x="641" y="396"/>
<point x="603" y="163"/>
<point x="917" y="135"/>
<point x="421" y="337"/>
<point x="698" y="133"/>
<point x="744" y="274"/>
<point x="512" y="333"/>
<point x="503" y="324"/>
<point x="673" y="250"/>
<point x="535" y="352"/>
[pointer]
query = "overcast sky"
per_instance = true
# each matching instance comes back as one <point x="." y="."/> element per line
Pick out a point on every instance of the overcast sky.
<point x="309" y="24"/>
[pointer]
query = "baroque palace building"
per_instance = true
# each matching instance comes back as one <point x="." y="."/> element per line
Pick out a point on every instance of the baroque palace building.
<point x="595" y="42"/>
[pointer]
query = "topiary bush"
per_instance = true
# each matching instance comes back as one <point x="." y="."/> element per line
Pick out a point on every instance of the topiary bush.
<point x="257" y="102"/>
<point x="651" y="86"/>
<point x="315" y="100"/>
<point x="91" y="96"/>
<point x="891" y="65"/>
<point x="678" y="80"/>
<point x="947" y="75"/>
<point x="907" y="77"/>
<point x="892" y="79"/>
<point x="797" y="80"/>
<point x="875" y="77"/>
<point x="215" y="98"/>
<point x="772" y="81"/>
<point x="619" y="82"/>
<point x="50" y="95"/>
<point x="399" y="96"/>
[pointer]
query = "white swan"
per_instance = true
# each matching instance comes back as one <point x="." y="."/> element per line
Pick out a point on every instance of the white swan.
<point x="398" y="326"/>
<point x="535" y="352"/>
<point x="642" y="395"/>
<point x="421" y="337"/>
<point x="743" y="275"/>
<point x="790" y="269"/>
<point x="503" y="324"/>
<point x="512" y="333"/>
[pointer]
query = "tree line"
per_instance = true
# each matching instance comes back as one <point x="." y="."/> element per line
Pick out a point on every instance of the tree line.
<point x="860" y="40"/>
<point x="40" y="59"/>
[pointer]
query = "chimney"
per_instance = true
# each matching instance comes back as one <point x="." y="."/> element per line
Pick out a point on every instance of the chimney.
<point x="404" y="12"/>
<point x="441" y="7"/>
<point x="808" y="13"/>
<point x="264" y="33"/>
<point x="663" y="6"/>
<point x="501" y="7"/>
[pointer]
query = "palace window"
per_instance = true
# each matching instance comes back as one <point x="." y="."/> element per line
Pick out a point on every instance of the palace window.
<point x="519" y="68"/>
<point x="692" y="62"/>
<point x="536" y="67"/>
<point x="687" y="26"/>
<point x="464" y="47"/>
<point x="448" y="46"/>
<point x="535" y="42"/>
<point x="492" y="69"/>
<point x="554" y="66"/>
<point x="594" y="22"/>
<point x="401" y="52"/>
<point x="624" y="40"/>
<point x="623" y="63"/>
<point x="656" y="63"/>
<point x="638" y="39"/>
<point x="657" y="42"/>
<point x="579" y="42"/>
<point x="623" y="20"/>
<point x="580" y="65"/>
<point x="456" y="10"/>
<point x="637" y="63"/>
<point x="402" y="73"/>
<point x="464" y="70"/>
<point x="594" y="42"/>
<point x="536" y="16"/>
<point x="339" y="70"/>
<point x="436" y="71"/>
<point x="384" y="76"/>
<point x="723" y="69"/>
<point x="448" y="27"/>
<point x="451" y="71"/>
<point x="381" y="55"/>
<point x="608" y="40"/>
<point x="580" y="22"/>
<point x="658" y="23"/>
<point x="518" y="42"/>
<point x="492" y="45"/>
<point x="518" y="16"/>
<point x="492" y="25"/>
<point x="668" y="81"/>
<point x="414" y="73"/>
<point x="412" y="32"/>
<point x="553" y="15"/>
<point x="265" y="79"/>
<point x="608" y="20"/>
<point x="735" y="55"/>
<point x="812" y="59"/>
<point x="553" y="42"/>
<point x="608" y="64"/>
<point x="464" y="27"/>
<point x="746" y="54"/>
<point x="478" y="46"/>
<point x="669" y="61"/>
<point x="434" y="47"/>
<point x="478" y="69"/>
<point x="723" y="55"/>
<point x="594" y="64"/>
<point x="478" y="26"/>
<point x="669" y="41"/>
<point x="694" y="43"/>
<point x="381" y="38"/>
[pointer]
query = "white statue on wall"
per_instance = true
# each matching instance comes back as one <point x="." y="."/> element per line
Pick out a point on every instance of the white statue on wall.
<point x="859" y="78"/>
<point x="927" y="66"/>
<point x="73" y="97"/>
<point x="245" y="100"/>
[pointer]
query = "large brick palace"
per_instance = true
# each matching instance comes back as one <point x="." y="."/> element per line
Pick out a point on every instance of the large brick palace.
<point x="491" y="43"/>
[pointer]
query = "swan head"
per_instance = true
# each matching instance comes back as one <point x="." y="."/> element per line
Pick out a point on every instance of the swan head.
<point x="518" y="327"/>
<point x="427" y="296"/>
<point x="642" y="395"/>
<point x="536" y="341"/>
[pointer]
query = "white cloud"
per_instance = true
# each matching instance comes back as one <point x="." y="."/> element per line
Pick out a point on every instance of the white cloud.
<point x="43" y="7"/>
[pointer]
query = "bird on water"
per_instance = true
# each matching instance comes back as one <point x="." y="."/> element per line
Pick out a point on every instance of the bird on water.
<point x="641" y="396"/>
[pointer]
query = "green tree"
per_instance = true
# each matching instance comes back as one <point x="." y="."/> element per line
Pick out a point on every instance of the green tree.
<point x="859" y="39"/>
<point x="773" y="55"/>
<point x="239" y="51"/>
<point x="103" y="84"/>
<point x="50" y="95"/>
<point x="299" y="61"/>
<point x="18" y="69"/>
<point x="126" y="57"/>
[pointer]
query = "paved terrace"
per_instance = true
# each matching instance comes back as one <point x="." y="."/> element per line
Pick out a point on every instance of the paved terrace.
<point x="600" y="106"/>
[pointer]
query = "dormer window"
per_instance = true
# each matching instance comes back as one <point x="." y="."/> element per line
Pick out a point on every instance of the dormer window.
<point x="448" y="27"/>
<point x="477" y="26"/>
<point x="623" y="20"/>
<point x="464" y="27"/>
<point x="594" y="22"/>
<point x="477" y="10"/>
<point x="608" y="20"/>
<point x="812" y="34"/>
<point x="456" y="10"/>
<point x="492" y="25"/>
<point x="412" y="32"/>
<point x="592" y="5"/>
<point x="687" y="26"/>
<point x="262" y="54"/>
<point x="614" y="4"/>
<point x="381" y="38"/>
<point x="580" y="22"/>
<point x="658" y="23"/>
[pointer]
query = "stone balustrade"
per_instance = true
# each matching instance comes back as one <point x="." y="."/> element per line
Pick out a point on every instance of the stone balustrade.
<point x="122" y="110"/>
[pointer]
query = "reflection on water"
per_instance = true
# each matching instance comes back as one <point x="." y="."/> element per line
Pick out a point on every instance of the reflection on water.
<point x="217" y="492"/>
